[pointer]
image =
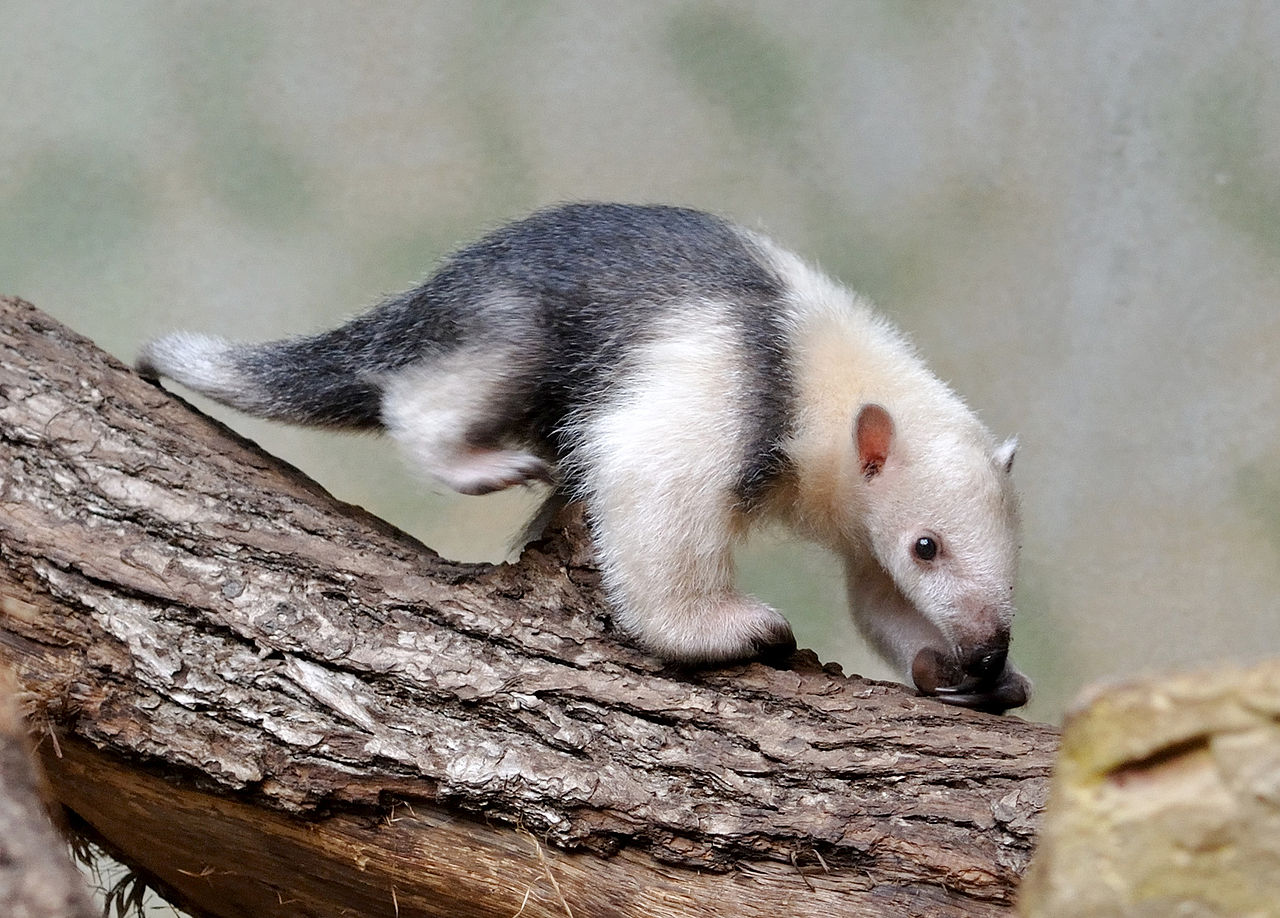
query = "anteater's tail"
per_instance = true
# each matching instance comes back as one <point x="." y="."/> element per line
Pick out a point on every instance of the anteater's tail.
<point x="318" y="380"/>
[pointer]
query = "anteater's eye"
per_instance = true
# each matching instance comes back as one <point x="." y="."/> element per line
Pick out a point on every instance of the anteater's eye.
<point x="926" y="548"/>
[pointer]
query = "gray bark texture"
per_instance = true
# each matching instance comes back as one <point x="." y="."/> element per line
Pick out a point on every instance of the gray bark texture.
<point x="280" y="705"/>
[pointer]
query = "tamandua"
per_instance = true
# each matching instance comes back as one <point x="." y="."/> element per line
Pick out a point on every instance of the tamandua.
<point x="685" y="378"/>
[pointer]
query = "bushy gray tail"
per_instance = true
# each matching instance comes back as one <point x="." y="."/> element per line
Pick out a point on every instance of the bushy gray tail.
<point x="315" y="380"/>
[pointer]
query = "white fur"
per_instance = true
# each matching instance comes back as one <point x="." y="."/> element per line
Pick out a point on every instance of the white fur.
<point x="945" y="477"/>
<point x="429" y="409"/>
<point x="659" y="463"/>
<point x="200" y="362"/>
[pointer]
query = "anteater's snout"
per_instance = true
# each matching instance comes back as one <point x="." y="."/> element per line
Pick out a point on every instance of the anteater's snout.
<point x="978" y="676"/>
<point x="984" y="664"/>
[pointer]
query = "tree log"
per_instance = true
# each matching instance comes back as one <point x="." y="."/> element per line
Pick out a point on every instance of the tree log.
<point x="280" y="705"/>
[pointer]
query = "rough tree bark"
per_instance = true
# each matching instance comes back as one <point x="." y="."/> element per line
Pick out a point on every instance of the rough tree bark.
<point x="280" y="705"/>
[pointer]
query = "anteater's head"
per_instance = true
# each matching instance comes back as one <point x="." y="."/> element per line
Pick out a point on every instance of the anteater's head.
<point x="939" y="516"/>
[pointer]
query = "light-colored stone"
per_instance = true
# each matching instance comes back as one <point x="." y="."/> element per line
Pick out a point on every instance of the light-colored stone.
<point x="1166" y="802"/>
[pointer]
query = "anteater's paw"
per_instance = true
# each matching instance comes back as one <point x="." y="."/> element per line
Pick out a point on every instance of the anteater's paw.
<point x="726" y="630"/>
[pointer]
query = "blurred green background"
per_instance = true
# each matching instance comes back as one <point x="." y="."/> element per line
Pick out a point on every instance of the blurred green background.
<point x="1074" y="210"/>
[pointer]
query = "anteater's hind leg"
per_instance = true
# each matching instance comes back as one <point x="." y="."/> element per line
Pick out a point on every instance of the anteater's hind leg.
<point x="447" y="414"/>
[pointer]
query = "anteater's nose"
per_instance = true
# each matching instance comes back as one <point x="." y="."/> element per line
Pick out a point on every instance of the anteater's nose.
<point x="986" y="663"/>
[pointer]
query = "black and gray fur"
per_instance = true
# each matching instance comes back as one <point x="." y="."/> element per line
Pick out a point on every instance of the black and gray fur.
<point x="590" y="281"/>
<point x="656" y="362"/>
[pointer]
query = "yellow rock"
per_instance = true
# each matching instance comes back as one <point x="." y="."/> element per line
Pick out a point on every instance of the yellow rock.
<point x="1165" y="802"/>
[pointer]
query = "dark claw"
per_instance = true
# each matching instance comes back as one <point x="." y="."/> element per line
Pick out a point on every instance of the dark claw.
<point x="776" y="647"/>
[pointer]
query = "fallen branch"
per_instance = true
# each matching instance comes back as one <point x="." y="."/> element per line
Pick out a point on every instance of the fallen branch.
<point x="280" y="705"/>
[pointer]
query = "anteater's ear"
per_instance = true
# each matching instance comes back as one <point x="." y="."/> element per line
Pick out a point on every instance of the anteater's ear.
<point x="873" y="433"/>
<point x="1003" y="456"/>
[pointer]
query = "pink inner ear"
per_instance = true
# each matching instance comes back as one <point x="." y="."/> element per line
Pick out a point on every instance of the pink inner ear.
<point x="874" y="432"/>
